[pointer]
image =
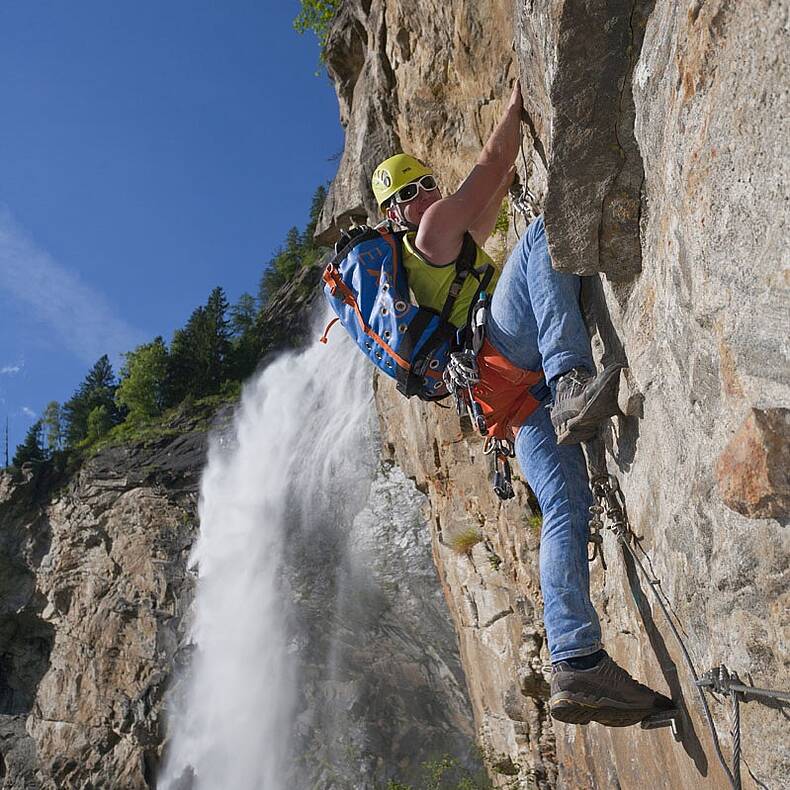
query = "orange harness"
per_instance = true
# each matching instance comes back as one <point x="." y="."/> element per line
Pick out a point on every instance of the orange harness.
<point x="504" y="392"/>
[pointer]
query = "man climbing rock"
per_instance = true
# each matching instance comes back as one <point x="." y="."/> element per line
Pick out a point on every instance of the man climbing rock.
<point x="534" y="323"/>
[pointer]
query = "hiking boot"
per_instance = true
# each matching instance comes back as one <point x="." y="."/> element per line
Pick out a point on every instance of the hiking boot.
<point x="582" y="402"/>
<point x="605" y="693"/>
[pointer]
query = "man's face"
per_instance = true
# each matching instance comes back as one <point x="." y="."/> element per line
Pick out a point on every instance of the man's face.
<point x="414" y="209"/>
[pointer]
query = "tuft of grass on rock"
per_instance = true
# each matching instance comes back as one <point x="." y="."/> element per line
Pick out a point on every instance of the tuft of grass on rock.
<point x="535" y="521"/>
<point x="464" y="541"/>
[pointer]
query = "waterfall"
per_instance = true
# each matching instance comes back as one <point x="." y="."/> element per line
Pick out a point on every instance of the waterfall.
<point x="298" y="464"/>
<point x="324" y="655"/>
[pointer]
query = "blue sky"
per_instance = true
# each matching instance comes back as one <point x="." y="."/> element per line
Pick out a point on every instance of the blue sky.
<point x="149" y="151"/>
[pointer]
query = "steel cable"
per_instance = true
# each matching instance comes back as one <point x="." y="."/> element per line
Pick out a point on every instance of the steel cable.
<point x="621" y="528"/>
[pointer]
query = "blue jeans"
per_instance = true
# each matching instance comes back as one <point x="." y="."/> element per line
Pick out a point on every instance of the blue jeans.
<point x="536" y="322"/>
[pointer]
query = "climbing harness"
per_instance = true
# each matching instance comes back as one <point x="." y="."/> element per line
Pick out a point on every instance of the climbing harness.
<point x="461" y="376"/>
<point x="495" y="394"/>
<point x="610" y="509"/>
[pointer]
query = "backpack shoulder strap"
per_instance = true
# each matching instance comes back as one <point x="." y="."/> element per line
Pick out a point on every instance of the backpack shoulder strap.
<point x="464" y="266"/>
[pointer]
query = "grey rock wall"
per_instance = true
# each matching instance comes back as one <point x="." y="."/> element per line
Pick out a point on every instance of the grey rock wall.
<point x="655" y="137"/>
<point x="101" y="586"/>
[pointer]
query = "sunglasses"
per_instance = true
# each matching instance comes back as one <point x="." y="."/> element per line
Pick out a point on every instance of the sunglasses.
<point x="411" y="190"/>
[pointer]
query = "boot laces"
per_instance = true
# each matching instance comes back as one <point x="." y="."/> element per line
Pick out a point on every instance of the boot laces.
<point x="572" y="383"/>
<point x="621" y="676"/>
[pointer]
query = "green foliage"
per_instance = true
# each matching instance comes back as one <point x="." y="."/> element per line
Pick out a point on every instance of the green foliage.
<point x="242" y="314"/>
<point x="316" y="15"/>
<point x="502" y="224"/>
<point x="190" y="415"/>
<point x="535" y="521"/>
<point x="99" y="423"/>
<point x="98" y="389"/>
<point x="52" y="424"/>
<point x="445" y="773"/>
<point x="200" y="352"/>
<point x="207" y="360"/>
<point x="494" y="560"/>
<point x="31" y="450"/>
<point x="141" y="391"/>
<point x="299" y="250"/>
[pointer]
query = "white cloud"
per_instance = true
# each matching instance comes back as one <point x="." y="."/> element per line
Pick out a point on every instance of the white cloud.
<point x="10" y="370"/>
<point x="81" y="318"/>
<point x="28" y="412"/>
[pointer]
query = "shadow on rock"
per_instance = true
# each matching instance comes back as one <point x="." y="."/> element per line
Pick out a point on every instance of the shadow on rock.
<point x="689" y="739"/>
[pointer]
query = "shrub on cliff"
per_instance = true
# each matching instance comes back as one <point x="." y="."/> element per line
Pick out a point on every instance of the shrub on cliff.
<point x="316" y="15"/>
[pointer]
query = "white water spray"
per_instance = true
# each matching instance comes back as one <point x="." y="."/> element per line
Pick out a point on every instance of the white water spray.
<point x="299" y="463"/>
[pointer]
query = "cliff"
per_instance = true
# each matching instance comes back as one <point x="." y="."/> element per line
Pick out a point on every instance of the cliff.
<point x="94" y="590"/>
<point x="653" y="140"/>
<point x="97" y="593"/>
<point x="653" y="137"/>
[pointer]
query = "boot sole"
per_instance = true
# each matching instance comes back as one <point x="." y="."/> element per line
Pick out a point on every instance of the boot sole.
<point x="581" y="709"/>
<point x="600" y="407"/>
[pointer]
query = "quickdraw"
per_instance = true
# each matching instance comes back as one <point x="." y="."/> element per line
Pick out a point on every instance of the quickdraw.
<point x="522" y="199"/>
<point x="501" y="450"/>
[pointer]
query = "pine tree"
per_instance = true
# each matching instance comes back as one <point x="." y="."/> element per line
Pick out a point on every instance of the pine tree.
<point x="30" y="451"/>
<point x="242" y="315"/>
<point x="183" y="367"/>
<point x="316" y="207"/>
<point x="98" y="389"/>
<point x="244" y="351"/>
<point x="199" y="359"/>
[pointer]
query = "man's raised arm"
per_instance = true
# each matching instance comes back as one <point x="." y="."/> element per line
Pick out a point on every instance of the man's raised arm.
<point x="443" y="226"/>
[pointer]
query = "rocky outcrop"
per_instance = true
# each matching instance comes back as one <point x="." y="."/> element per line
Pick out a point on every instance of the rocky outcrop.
<point x="425" y="78"/>
<point x="753" y="470"/>
<point x="652" y="136"/>
<point x="100" y="587"/>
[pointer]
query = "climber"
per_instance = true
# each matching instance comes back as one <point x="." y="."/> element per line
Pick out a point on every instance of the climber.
<point x="534" y="324"/>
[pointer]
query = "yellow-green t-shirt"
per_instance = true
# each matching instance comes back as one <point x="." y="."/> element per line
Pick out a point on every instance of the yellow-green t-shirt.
<point x="430" y="284"/>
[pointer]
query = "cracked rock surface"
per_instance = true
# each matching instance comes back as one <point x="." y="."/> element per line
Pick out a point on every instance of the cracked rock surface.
<point x="654" y="135"/>
<point x="101" y="587"/>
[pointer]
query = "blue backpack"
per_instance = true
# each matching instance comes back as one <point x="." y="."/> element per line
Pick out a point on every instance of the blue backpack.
<point x="366" y="286"/>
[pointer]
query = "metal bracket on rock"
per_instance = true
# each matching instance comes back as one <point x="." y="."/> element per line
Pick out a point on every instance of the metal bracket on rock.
<point x="667" y="718"/>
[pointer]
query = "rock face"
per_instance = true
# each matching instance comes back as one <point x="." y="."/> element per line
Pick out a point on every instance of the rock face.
<point x="753" y="470"/>
<point x="100" y="587"/>
<point x="426" y="78"/>
<point x="381" y="691"/>
<point x="653" y="136"/>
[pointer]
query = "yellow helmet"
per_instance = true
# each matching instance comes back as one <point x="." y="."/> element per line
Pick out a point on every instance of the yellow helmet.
<point x="394" y="173"/>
